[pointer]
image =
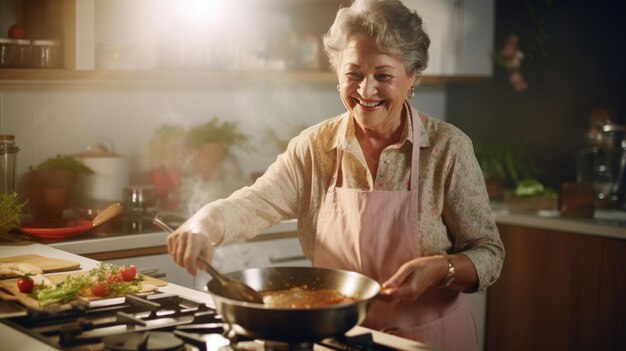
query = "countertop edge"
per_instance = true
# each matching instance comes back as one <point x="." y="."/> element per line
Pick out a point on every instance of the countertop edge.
<point x="593" y="227"/>
<point x="136" y="241"/>
<point x="604" y="228"/>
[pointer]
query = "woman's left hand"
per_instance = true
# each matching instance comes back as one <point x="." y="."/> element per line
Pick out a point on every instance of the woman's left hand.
<point x="413" y="278"/>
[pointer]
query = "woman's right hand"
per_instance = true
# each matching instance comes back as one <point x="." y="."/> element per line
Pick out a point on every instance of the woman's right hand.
<point x="196" y="237"/>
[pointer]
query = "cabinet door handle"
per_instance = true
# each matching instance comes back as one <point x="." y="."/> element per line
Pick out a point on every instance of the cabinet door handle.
<point x="287" y="259"/>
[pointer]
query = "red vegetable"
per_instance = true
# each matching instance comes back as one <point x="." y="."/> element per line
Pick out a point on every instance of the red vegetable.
<point x="128" y="273"/>
<point x="25" y="284"/>
<point x="99" y="288"/>
<point x="114" y="278"/>
<point x="17" y="31"/>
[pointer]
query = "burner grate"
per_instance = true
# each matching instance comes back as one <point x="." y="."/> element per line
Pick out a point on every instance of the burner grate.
<point x="145" y="320"/>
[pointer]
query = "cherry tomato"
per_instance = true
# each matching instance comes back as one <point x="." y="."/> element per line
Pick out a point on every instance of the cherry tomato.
<point x="128" y="273"/>
<point x="17" y="31"/>
<point x="114" y="278"/>
<point x="99" y="288"/>
<point x="25" y="285"/>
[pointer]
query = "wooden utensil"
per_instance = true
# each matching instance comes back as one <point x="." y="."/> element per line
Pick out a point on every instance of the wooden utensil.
<point x="227" y="287"/>
<point x="106" y="214"/>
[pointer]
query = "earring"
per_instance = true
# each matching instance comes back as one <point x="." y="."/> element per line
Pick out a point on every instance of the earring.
<point x="412" y="91"/>
<point x="338" y="86"/>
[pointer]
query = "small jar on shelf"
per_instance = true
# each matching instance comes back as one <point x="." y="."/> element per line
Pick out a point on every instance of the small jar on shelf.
<point x="7" y="53"/>
<point x="23" y="53"/>
<point x="45" y="54"/>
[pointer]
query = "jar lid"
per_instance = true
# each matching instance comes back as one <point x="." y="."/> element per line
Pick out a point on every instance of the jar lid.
<point x="22" y="41"/>
<point x="46" y="42"/>
<point x="7" y="144"/>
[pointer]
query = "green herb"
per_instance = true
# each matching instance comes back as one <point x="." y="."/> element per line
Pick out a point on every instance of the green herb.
<point x="10" y="211"/>
<point x="504" y="162"/>
<point x="64" y="291"/>
<point x="64" y="163"/>
<point x="216" y="131"/>
<point x="533" y="188"/>
<point x="76" y="285"/>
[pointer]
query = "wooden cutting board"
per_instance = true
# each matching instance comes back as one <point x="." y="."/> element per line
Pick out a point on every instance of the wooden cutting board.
<point x="46" y="264"/>
<point x="12" y="293"/>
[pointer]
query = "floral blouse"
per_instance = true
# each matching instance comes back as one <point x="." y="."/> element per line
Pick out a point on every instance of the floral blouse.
<point x="454" y="211"/>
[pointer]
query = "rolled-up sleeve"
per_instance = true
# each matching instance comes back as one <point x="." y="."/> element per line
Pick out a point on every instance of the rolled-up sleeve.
<point x="468" y="216"/>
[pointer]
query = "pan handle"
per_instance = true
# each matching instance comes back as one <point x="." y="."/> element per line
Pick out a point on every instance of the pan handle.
<point x="287" y="259"/>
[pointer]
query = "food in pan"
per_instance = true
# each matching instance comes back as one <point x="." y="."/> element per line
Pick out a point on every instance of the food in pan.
<point x="301" y="297"/>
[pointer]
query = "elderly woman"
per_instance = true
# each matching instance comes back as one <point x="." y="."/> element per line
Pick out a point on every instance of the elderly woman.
<point x="380" y="189"/>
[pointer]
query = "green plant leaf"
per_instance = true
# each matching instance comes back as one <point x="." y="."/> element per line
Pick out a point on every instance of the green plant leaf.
<point x="216" y="131"/>
<point x="64" y="163"/>
<point x="10" y="211"/>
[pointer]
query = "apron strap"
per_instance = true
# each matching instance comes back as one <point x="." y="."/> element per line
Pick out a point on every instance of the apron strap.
<point x="415" y="166"/>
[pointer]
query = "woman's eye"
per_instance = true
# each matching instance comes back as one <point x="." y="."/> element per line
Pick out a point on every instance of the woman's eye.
<point x="353" y="75"/>
<point x="383" y="77"/>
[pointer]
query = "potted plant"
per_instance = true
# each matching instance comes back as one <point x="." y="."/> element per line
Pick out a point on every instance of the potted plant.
<point x="50" y="185"/>
<point x="530" y="195"/>
<point x="210" y="143"/>
<point x="10" y="212"/>
<point x="165" y="148"/>
<point x="503" y="165"/>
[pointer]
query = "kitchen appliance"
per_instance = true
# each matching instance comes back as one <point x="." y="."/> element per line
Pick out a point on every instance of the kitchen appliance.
<point x="603" y="162"/>
<point x="111" y="174"/>
<point x="139" y="198"/>
<point x="8" y="152"/>
<point x="168" y="322"/>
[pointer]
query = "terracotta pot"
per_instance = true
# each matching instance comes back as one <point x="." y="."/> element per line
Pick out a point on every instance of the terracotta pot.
<point x="49" y="192"/>
<point x="207" y="160"/>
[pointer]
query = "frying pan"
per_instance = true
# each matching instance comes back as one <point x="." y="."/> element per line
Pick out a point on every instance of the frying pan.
<point x="259" y="321"/>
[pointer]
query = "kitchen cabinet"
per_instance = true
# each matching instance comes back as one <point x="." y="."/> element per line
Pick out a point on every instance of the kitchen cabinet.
<point x="461" y="33"/>
<point x="557" y="291"/>
<point x="280" y="40"/>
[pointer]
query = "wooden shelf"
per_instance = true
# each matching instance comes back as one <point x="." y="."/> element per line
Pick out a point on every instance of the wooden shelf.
<point x="34" y="76"/>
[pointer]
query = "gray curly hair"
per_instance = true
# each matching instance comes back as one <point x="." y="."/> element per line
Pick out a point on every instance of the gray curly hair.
<point x="396" y="29"/>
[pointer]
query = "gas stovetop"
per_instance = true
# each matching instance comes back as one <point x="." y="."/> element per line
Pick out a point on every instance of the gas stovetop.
<point x="157" y="322"/>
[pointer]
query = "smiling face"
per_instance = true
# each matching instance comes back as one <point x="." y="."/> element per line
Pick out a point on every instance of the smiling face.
<point x="373" y="85"/>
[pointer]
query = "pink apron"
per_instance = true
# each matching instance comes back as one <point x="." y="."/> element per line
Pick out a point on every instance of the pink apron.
<point x="374" y="233"/>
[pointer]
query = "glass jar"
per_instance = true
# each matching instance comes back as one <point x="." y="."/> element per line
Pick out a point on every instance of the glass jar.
<point x="8" y="152"/>
<point x="23" y="53"/>
<point x="45" y="53"/>
<point x="7" y="53"/>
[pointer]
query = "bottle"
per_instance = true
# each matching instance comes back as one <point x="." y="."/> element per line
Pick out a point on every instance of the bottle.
<point x="8" y="153"/>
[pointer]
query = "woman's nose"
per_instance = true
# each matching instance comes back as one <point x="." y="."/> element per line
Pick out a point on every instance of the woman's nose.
<point x="367" y="88"/>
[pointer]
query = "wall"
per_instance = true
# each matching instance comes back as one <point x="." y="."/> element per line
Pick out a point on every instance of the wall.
<point x="583" y="68"/>
<point x="64" y="118"/>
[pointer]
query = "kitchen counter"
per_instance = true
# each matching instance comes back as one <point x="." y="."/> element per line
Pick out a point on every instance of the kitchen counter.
<point x="93" y="243"/>
<point x="17" y="341"/>
<point x="606" y="224"/>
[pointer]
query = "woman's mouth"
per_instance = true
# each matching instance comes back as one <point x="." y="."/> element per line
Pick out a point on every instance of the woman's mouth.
<point x="369" y="105"/>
